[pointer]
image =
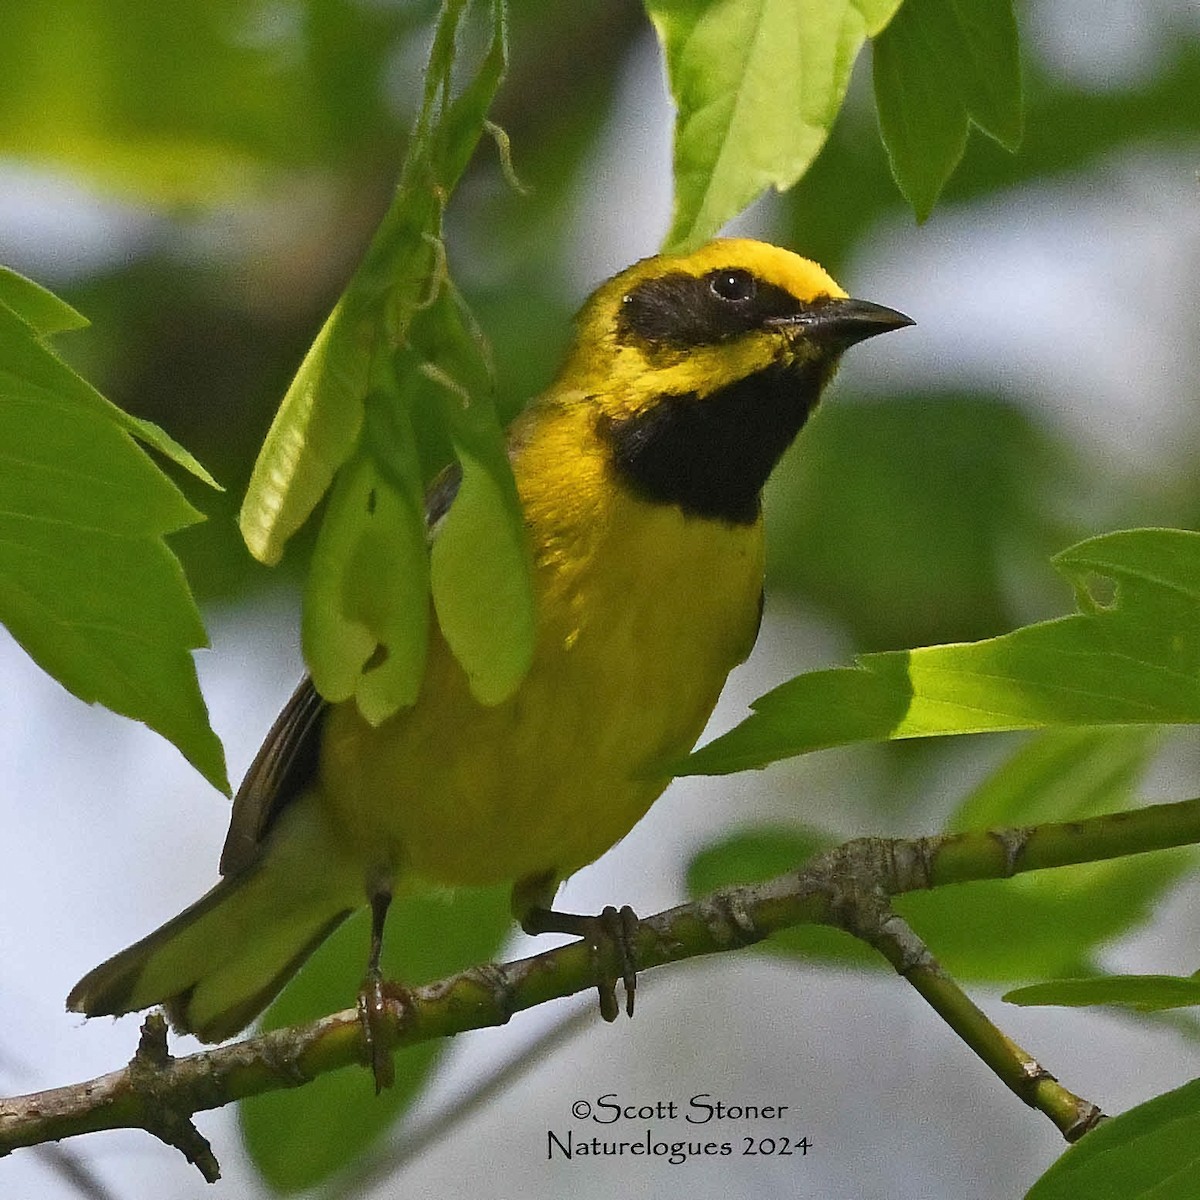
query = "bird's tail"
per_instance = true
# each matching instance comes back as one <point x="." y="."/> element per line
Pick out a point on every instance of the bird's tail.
<point x="220" y="962"/>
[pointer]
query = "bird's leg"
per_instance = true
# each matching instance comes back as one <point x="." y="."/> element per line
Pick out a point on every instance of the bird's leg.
<point x="616" y="927"/>
<point x="372" y="1000"/>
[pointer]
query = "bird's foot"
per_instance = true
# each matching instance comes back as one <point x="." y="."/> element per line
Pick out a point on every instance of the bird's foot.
<point x="614" y="929"/>
<point x="378" y="1026"/>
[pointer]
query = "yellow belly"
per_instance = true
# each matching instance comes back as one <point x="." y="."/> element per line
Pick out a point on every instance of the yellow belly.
<point x="642" y="613"/>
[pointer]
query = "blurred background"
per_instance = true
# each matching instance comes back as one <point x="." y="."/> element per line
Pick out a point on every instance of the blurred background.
<point x="199" y="181"/>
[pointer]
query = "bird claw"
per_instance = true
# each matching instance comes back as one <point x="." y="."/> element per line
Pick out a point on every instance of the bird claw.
<point x="378" y="1036"/>
<point x="617" y="927"/>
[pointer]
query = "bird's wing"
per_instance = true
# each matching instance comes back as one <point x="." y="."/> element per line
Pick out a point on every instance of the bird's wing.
<point x="281" y="769"/>
<point x="288" y="759"/>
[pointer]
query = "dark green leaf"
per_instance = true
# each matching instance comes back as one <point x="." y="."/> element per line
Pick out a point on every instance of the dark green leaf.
<point x="940" y="66"/>
<point x="1152" y="1152"/>
<point x="1133" y="661"/>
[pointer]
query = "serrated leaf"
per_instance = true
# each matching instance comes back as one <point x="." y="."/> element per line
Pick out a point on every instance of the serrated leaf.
<point x="1151" y="1152"/>
<point x="757" y="85"/>
<point x="939" y="67"/>
<point x="1134" y="661"/>
<point x="87" y="585"/>
<point x="159" y="439"/>
<point x="46" y="314"/>
<point x="297" y="1138"/>
<point x="1144" y="993"/>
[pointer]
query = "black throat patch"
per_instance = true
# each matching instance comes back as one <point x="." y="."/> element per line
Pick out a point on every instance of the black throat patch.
<point x="712" y="454"/>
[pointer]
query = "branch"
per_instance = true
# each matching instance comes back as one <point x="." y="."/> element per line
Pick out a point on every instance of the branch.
<point x="847" y="887"/>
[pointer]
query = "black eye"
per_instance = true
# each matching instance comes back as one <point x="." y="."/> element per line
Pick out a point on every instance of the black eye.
<point x="734" y="285"/>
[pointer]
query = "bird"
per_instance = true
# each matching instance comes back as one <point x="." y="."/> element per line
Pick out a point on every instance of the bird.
<point x="640" y="473"/>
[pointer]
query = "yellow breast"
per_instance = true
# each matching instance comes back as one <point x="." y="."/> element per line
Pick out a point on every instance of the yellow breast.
<point x="642" y="612"/>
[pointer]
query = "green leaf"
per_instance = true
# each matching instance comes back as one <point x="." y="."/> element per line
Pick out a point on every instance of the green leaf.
<point x="297" y="1138"/>
<point x="1144" y="993"/>
<point x="48" y="315"/>
<point x="1152" y="1152"/>
<point x="1060" y="775"/>
<point x="480" y="564"/>
<point x="1134" y="660"/>
<point x="87" y="585"/>
<point x="36" y="306"/>
<point x="320" y="420"/>
<point x="313" y="433"/>
<point x="757" y="85"/>
<point x="365" y="623"/>
<point x="398" y="376"/>
<point x="940" y="66"/>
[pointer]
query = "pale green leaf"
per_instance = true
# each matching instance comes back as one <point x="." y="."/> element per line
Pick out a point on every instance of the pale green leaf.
<point x="398" y="376"/>
<point x="39" y="308"/>
<point x="366" y="605"/>
<point x="757" y="85"/>
<point x="480" y="577"/>
<point x="313" y="434"/>
<point x="320" y="420"/>
<point x="480" y="566"/>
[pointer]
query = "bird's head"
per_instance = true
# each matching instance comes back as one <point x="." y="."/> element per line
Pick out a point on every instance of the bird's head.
<point x="703" y="367"/>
